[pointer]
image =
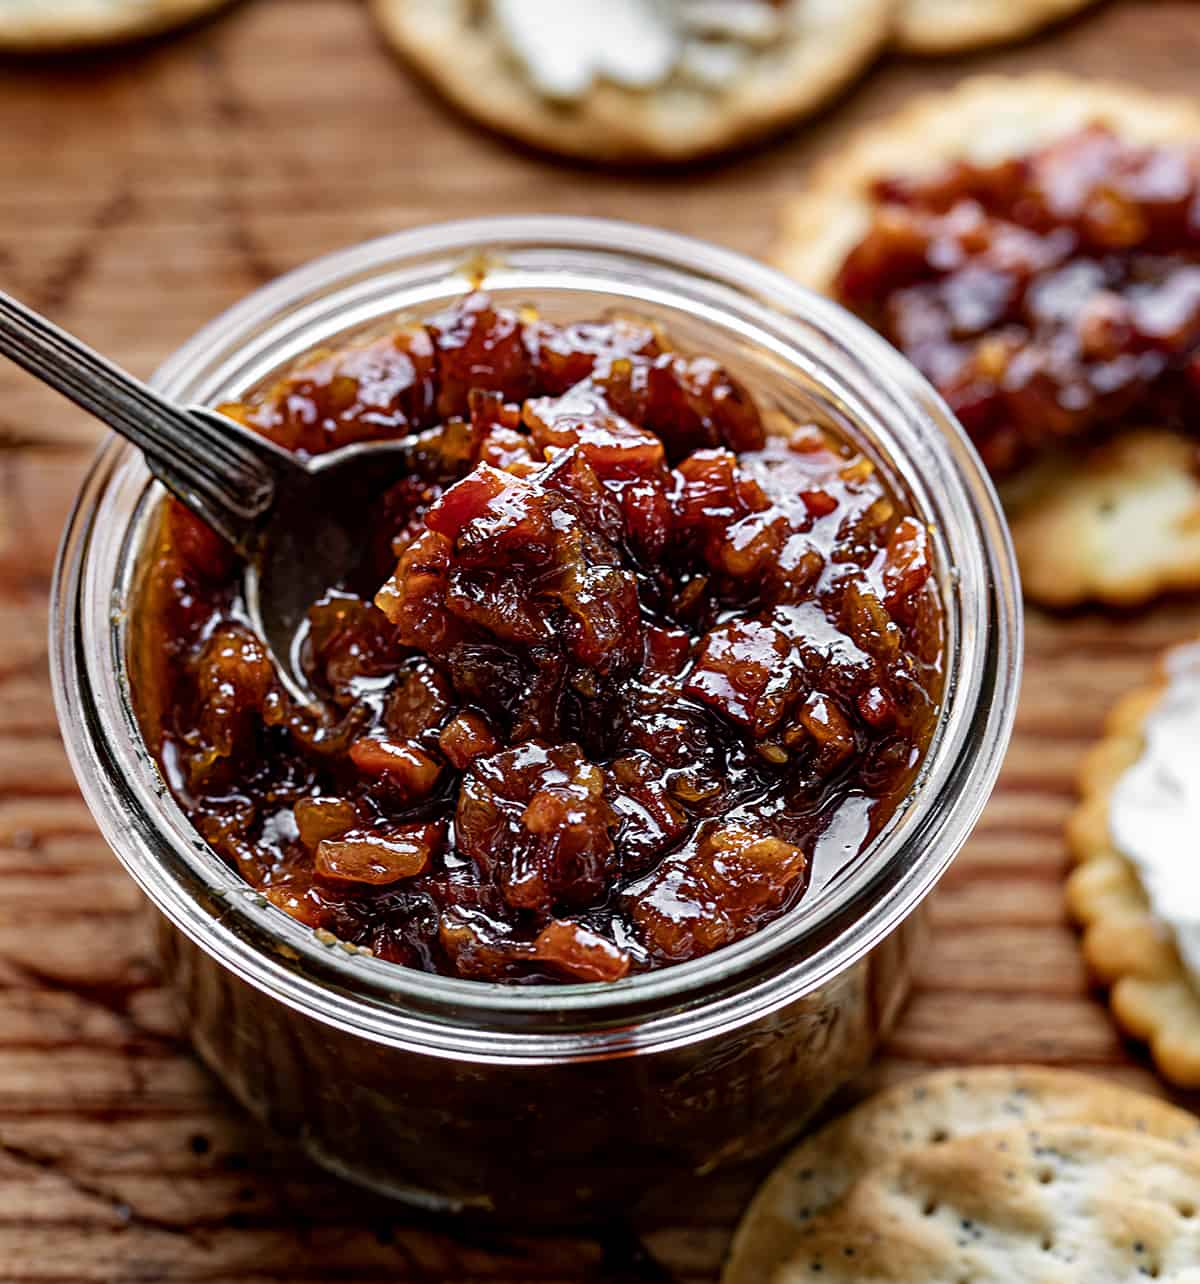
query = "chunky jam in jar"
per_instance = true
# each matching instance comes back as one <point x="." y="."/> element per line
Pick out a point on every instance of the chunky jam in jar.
<point x="625" y="651"/>
<point x="1048" y="297"/>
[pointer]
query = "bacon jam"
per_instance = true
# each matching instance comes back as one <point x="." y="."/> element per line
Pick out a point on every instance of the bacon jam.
<point x="1049" y="297"/>
<point x="625" y="651"/>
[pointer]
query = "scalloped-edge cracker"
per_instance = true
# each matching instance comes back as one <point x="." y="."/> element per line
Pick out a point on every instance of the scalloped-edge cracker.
<point x="1059" y="1203"/>
<point x="452" y="44"/>
<point x="1117" y="522"/>
<point x="988" y="118"/>
<point x="30" y="26"/>
<point x="1127" y="948"/>
<point x="949" y="26"/>
<point x="929" y="1111"/>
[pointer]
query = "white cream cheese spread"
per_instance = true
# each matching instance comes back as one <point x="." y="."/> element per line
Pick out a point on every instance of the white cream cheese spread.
<point x="1154" y="814"/>
<point x="566" y="46"/>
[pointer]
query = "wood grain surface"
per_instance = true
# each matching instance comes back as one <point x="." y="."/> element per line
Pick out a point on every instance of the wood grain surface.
<point x="144" y="190"/>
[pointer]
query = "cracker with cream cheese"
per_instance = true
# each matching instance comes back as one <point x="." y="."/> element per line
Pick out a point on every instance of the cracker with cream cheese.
<point x="950" y="26"/>
<point x="609" y="82"/>
<point x="47" y="25"/>
<point x="1077" y="520"/>
<point x="1058" y="1203"/>
<point x="929" y="1112"/>
<point x="1151" y="994"/>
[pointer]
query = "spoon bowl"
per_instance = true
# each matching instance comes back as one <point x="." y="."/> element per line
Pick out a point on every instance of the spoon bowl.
<point x="312" y="540"/>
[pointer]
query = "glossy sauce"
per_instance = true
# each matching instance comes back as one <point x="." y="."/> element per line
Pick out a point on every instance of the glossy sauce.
<point x="620" y="660"/>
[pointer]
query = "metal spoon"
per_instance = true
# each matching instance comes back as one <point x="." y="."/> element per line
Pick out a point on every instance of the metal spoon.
<point x="300" y="524"/>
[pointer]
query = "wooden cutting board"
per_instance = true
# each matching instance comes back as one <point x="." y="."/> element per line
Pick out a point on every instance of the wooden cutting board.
<point x="145" y="190"/>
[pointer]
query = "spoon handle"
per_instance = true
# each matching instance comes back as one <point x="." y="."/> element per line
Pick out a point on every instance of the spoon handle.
<point x="221" y="471"/>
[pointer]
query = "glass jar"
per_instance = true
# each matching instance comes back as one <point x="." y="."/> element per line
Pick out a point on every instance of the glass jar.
<point x="548" y="1102"/>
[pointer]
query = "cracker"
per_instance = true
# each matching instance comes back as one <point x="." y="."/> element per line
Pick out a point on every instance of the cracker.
<point x="28" y="26"/>
<point x="1057" y="1204"/>
<point x="949" y="26"/>
<point x="456" y="50"/>
<point x="1117" y="522"/>
<point x="987" y="118"/>
<point x="931" y="1110"/>
<point x="1150" y="993"/>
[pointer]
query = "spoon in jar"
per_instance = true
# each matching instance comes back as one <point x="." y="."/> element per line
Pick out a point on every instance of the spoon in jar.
<point x="299" y="523"/>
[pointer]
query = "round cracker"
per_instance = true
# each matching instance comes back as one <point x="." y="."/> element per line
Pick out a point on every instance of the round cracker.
<point x="1057" y="1204"/>
<point x="28" y="26"/>
<point x="467" y="63"/>
<point x="987" y="119"/>
<point x="950" y="26"/>
<point x="1151" y="994"/>
<point x="932" y="1110"/>
<point x="1117" y="522"/>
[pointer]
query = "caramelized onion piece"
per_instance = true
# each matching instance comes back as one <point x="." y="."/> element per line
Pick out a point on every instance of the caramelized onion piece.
<point x="403" y="764"/>
<point x="578" y="953"/>
<point x="464" y="737"/>
<point x="321" y="818"/>
<point x="371" y="856"/>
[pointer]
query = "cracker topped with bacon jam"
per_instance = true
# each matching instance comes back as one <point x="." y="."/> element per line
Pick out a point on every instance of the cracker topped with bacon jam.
<point x="1033" y="247"/>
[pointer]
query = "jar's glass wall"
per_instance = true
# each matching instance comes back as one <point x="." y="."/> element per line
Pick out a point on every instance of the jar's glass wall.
<point x="544" y="1143"/>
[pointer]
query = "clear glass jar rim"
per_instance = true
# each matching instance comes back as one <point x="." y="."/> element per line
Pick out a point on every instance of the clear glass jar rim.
<point x="453" y="1016"/>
